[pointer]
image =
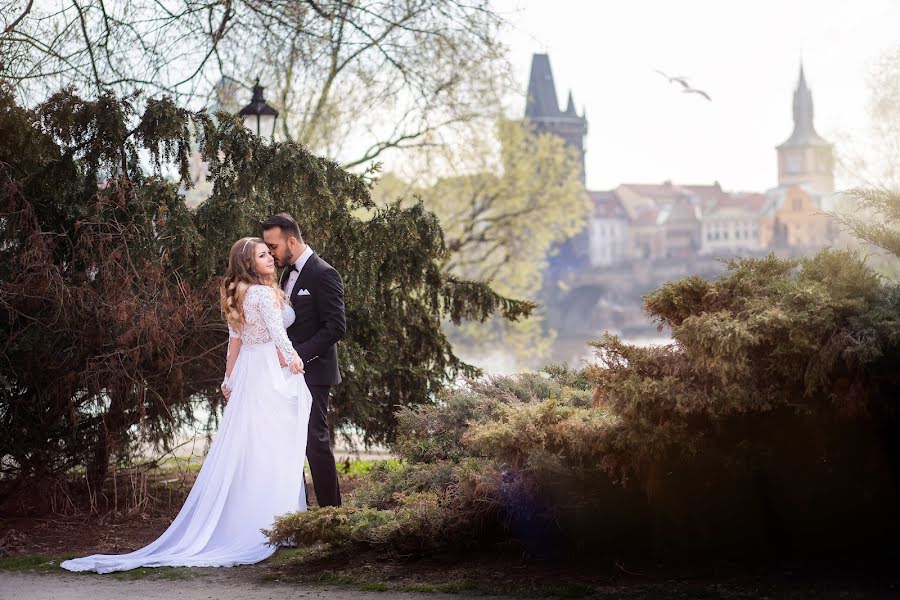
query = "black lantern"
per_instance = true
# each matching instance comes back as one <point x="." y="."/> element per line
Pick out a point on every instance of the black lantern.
<point x="258" y="115"/>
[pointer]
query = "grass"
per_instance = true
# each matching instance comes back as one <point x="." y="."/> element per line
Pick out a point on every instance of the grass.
<point x="33" y="563"/>
<point x="358" y="467"/>
<point x="179" y="463"/>
<point x="49" y="565"/>
<point x="332" y="578"/>
<point x="352" y="468"/>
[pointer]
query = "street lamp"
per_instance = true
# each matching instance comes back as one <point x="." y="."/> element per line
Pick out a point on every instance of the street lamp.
<point x="258" y="115"/>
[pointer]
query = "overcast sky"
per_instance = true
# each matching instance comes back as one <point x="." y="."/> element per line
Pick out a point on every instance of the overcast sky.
<point x="746" y="55"/>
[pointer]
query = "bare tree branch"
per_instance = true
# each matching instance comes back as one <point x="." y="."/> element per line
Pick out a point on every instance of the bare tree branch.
<point x="18" y="20"/>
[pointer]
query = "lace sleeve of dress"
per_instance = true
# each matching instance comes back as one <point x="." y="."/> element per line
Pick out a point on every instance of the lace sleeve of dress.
<point x="232" y="334"/>
<point x="271" y="317"/>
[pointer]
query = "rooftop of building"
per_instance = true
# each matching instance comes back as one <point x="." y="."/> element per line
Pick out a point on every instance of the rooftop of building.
<point x="606" y="205"/>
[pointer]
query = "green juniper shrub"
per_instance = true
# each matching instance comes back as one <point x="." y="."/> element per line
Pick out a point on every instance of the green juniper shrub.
<point x="769" y="426"/>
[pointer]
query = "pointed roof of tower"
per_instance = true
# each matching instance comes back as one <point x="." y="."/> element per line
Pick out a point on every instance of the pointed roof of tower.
<point x="804" y="133"/>
<point x="570" y="106"/>
<point x="542" y="101"/>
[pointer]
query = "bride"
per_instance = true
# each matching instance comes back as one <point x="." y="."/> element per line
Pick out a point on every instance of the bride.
<point x="253" y="471"/>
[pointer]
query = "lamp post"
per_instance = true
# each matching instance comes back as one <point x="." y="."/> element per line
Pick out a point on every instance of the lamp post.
<point x="258" y="114"/>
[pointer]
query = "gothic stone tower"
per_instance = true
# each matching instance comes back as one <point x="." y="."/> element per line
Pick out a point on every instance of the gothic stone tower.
<point x="542" y="108"/>
<point x="805" y="158"/>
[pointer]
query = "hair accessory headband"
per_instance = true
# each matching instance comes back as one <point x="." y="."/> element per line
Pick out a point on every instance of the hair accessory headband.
<point x="244" y="247"/>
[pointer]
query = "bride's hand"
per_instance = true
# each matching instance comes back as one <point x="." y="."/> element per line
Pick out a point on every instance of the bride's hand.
<point x="296" y="364"/>
<point x="281" y="359"/>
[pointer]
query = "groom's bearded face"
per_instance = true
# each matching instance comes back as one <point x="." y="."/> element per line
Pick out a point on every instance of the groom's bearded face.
<point x="278" y="246"/>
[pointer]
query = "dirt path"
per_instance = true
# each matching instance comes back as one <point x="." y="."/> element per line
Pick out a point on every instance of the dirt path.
<point x="221" y="585"/>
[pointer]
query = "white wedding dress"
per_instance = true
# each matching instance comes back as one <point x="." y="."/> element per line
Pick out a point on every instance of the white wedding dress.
<point x="253" y="471"/>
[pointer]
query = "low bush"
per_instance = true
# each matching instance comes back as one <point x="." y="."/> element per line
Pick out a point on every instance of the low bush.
<point x="768" y="426"/>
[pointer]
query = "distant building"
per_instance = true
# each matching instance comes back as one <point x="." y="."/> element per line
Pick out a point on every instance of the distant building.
<point x="225" y="98"/>
<point x="680" y="222"/>
<point x="793" y="220"/>
<point x="228" y="94"/>
<point x="805" y="158"/>
<point x="640" y="235"/>
<point x="656" y="222"/>
<point x="542" y="111"/>
<point x="608" y="230"/>
<point x="732" y="224"/>
<point x="542" y="108"/>
<point x="794" y="217"/>
<point x="665" y="219"/>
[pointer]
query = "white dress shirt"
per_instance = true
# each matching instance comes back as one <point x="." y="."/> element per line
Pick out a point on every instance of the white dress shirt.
<point x="299" y="263"/>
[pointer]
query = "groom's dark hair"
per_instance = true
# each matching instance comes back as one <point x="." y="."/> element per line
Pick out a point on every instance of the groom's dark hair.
<point x="285" y="223"/>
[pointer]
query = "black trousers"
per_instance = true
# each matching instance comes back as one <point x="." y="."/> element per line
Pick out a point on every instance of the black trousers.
<point x="318" y="449"/>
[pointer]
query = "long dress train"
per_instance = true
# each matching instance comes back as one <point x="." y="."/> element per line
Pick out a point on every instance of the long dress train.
<point x="253" y="471"/>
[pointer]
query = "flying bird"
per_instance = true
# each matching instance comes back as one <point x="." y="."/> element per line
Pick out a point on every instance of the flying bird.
<point x="682" y="80"/>
<point x="691" y="90"/>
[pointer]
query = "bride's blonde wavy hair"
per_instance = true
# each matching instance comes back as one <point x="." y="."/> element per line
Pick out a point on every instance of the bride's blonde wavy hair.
<point x="239" y="276"/>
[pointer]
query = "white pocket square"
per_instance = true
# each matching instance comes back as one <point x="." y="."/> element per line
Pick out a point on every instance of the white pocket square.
<point x="303" y="293"/>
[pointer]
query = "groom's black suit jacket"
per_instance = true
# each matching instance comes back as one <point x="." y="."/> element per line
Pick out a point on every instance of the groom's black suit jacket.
<point x="320" y="320"/>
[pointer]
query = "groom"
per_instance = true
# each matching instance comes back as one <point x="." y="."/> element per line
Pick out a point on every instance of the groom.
<point x="317" y="295"/>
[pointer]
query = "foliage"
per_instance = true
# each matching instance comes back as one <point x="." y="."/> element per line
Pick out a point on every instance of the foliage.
<point x="873" y="161"/>
<point x="870" y="215"/>
<point x="501" y="220"/>
<point x="882" y="231"/>
<point x="770" y="424"/>
<point x="108" y="283"/>
<point x="351" y="80"/>
<point x="413" y="522"/>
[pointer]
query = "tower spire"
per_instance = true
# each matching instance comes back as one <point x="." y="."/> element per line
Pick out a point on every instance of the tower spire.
<point x="805" y="158"/>
<point x="542" y="101"/>
<point x="570" y="106"/>
<point x="542" y="108"/>
<point x="804" y="130"/>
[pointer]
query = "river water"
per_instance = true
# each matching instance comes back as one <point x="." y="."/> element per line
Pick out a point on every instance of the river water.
<point x="575" y="353"/>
